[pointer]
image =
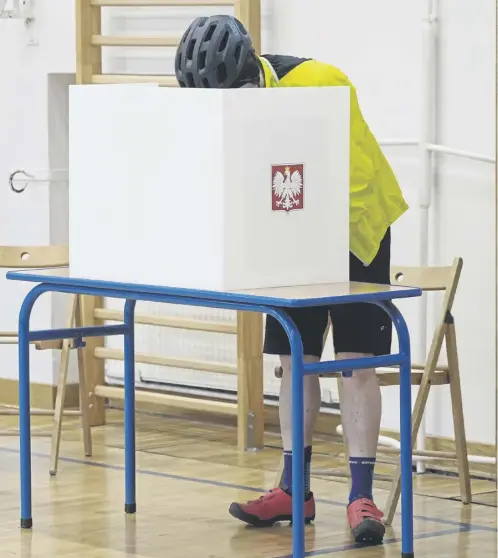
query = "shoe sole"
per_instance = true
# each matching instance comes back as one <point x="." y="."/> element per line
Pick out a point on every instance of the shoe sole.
<point x="369" y="532"/>
<point x="236" y="511"/>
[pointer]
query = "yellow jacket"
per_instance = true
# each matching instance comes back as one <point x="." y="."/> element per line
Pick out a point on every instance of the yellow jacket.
<point x="376" y="201"/>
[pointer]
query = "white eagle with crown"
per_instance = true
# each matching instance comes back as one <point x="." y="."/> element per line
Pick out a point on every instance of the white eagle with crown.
<point x="287" y="188"/>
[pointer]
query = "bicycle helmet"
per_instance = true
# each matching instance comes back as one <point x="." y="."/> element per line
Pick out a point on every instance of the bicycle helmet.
<point x="216" y="52"/>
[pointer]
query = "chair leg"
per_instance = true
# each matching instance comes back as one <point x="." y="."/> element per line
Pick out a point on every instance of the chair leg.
<point x="458" y="418"/>
<point x="83" y="391"/>
<point x="418" y="413"/>
<point x="250" y="391"/>
<point x="61" y="392"/>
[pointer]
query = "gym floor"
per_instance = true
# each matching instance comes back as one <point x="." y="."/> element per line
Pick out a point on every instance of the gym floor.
<point x="189" y="473"/>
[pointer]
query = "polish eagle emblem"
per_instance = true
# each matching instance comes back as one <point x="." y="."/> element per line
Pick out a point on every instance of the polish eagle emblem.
<point x="287" y="187"/>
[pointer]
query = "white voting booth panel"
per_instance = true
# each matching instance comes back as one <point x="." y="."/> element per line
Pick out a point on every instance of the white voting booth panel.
<point x="179" y="185"/>
<point x="209" y="189"/>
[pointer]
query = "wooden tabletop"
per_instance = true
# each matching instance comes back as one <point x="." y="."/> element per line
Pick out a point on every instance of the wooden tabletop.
<point x="295" y="296"/>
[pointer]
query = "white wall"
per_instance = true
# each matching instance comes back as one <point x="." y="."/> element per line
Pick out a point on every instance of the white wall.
<point x="464" y="206"/>
<point x="33" y="217"/>
<point x="381" y="52"/>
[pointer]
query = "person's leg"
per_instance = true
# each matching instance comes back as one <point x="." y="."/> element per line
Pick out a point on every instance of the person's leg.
<point x="312" y="401"/>
<point x="361" y="409"/>
<point x="277" y="504"/>
<point x="363" y="330"/>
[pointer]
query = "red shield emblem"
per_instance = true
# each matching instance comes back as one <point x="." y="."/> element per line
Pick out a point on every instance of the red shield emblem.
<point x="287" y="187"/>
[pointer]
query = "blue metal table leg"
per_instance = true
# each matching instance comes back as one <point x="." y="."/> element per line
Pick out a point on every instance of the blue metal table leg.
<point x="24" y="405"/>
<point x="296" y="347"/>
<point x="406" y="459"/>
<point x="405" y="390"/>
<point x="297" y="450"/>
<point x="129" y="407"/>
<point x="25" y="420"/>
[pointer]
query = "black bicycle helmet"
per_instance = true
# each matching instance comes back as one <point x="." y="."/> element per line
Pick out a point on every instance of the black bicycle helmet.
<point x="216" y="52"/>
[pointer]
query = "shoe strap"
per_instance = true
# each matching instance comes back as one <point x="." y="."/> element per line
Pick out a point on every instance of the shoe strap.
<point x="263" y="497"/>
<point x="366" y="508"/>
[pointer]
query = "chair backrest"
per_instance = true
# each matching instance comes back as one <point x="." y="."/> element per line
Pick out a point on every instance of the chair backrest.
<point x="34" y="257"/>
<point x="430" y="279"/>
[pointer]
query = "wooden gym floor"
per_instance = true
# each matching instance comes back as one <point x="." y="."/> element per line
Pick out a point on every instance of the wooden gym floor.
<point x="189" y="473"/>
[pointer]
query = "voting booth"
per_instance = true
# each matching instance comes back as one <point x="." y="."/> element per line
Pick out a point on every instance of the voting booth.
<point x="209" y="189"/>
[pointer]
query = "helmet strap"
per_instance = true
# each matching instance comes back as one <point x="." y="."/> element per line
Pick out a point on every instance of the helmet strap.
<point x="270" y="78"/>
<point x="250" y="72"/>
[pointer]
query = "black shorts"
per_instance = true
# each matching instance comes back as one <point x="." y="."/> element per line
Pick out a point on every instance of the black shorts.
<point x="356" y="328"/>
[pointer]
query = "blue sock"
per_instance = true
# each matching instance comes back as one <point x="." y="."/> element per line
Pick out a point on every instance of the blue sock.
<point x="286" y="483"/>
<point x="362" y="471"/>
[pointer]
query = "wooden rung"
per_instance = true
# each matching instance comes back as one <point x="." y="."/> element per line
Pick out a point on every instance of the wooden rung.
<point x="278" y="371"/>
<point x="201" y="365"/>
<point x="34" y="433"/>
<point x="421" y="453"/>
<point x="39" y="345"/>
<point x="392" y="378"/>
<point x="168" y="400"/>
<point x="166" y="321"/>
<point x="53" y="344"/>
<point x="389" y="378"/>
<point x="8" y="334"/>
<point x="169" y="81"/>
<point x="39" y="413"/>
<point x="172" y="322"/>
<point x="416" y="366"/>
<point x="105" y="40"/>
<point x="153" y="3"/>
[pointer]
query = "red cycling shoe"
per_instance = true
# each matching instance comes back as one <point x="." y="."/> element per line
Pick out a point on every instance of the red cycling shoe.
<point x="365" y="520"/>
<point x="270" y="508"/>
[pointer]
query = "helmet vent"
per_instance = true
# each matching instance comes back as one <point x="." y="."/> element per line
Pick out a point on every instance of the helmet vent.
<point x="202" y="60"/>
<point x="221" y="73"/>
<point x="224" y="41"/>
<point x="190" y="80"/>
<point x="190" y="50"/>
<point x="237" y="53"/>
<point x="210" y="33"/>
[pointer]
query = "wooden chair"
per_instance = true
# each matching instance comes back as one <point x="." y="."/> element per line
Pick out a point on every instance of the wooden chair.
<point x="431" y="373"/>
<point x="43" y="257"/>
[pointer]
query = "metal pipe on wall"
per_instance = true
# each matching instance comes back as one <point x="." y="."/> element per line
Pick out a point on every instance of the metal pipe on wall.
<point x="427" y="175"/>
<point x="459" y="153"/>
<point x="442" y="149"/>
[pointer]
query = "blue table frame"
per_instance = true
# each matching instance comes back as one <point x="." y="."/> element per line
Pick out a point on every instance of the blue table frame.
<point x="272" y="302"/>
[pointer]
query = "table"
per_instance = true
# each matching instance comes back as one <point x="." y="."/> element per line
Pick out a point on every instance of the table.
<point x="274" y="302"/>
